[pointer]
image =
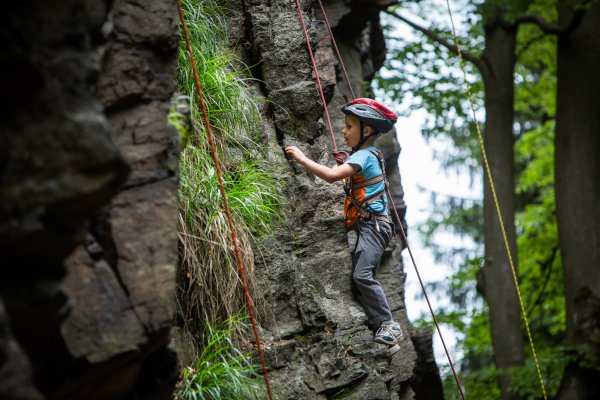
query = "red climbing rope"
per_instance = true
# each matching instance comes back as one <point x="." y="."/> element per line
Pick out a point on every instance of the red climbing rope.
<point x="337" y="51"/>
<point x="437" y="326"/>
<point x="319" y="86"/>
<point x="395" y="212"/>
<point x="234" y="240"/>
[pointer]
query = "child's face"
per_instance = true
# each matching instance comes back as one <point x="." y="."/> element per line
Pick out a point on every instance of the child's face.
<point x="351" y="130"/>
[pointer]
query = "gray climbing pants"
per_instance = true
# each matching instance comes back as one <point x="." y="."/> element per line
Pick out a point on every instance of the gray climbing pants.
<point x="366" y="254"/>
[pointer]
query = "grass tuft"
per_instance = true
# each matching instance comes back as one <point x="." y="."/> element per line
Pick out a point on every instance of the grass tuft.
<point x="221" y="371"/>
<point x="209" y="287"/>
<point x="232" y="110"/>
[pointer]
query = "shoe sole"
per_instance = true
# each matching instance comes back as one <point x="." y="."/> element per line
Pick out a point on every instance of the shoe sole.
<point x="383" y="341"/>
<point x="391" y="350"/>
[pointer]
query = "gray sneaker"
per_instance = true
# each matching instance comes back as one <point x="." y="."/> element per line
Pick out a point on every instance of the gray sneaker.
<point x="389" y="333"/>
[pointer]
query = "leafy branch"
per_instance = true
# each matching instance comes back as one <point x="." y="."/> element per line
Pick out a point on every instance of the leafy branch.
<point x="430" y="33"/>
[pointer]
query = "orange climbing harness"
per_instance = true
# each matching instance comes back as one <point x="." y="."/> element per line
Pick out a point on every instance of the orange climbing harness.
<point x="238" y="254"/>
<point x="356" y="204"/>
<point x="339" y="160"/>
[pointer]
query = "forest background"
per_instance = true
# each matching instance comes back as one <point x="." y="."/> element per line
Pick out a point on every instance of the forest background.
<point x="528" y="66"/>
<point x="93" y="182"/>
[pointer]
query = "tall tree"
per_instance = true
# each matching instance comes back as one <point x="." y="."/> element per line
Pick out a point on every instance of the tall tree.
<point x="495" y="278"/>
<point x="496" y="65"/>
<point x="577" y="185"/>
<point x="577" y="170"/>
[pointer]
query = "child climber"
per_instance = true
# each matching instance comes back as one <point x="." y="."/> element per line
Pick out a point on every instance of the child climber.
<point x="365" y="209"/>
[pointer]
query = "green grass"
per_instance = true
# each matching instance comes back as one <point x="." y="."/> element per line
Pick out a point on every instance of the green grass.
<point x="209" y="287"/>
<point x="221" y="371"/>
<point x="232" y="110"/>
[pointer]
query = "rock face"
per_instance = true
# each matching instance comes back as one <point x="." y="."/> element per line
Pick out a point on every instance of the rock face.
<point x="88" y="206"/>
<point x="426" y="382"/>
<point x="316" y="339"/>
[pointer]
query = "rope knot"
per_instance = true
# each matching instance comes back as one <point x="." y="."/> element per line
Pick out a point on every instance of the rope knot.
<point x="340" y="156"/>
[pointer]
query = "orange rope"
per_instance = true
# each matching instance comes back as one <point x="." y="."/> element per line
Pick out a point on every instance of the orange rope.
<point x="234" y="240"/>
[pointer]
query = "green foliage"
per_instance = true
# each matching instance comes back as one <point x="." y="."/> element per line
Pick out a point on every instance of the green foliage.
<point x="209" y="287"/>
<point x="426" y="74"/>
<point x="251" y="191"/>
<point x="510" y="9"/>
<point x="482" y="384"/>
<point x="539" y="261"/>
<point x="234" y="113"/>
<point x="178" y="118"/>
<point x="539" y="249"/>
<point x="477" y="372"/>
<point x="232" y="110"/>
<point x="553" y="361"/>
<point x="221" y="371"/>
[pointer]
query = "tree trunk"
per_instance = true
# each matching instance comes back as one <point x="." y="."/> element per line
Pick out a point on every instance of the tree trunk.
<point x="496" y="279"/>
<point x="577" y="171"/>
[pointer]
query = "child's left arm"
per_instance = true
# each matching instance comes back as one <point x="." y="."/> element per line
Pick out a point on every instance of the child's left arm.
<point x="330" y="175"/>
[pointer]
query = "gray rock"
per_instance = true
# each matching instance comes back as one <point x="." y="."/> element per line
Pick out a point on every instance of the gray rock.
<point x="318" y="344"/>
<point x="87" y="278"/>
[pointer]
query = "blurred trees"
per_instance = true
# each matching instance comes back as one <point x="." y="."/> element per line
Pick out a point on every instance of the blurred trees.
<point x="511" y="48"/>
<point x="578" y="190"/>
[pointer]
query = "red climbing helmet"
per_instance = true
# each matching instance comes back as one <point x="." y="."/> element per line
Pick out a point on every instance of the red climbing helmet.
<point x="371" y="112"/>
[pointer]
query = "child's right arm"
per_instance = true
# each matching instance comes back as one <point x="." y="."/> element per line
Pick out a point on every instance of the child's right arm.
<point x="330" y="175"/>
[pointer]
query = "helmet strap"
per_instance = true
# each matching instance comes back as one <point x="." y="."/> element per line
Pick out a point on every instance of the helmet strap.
<point x="362" y="137"/>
